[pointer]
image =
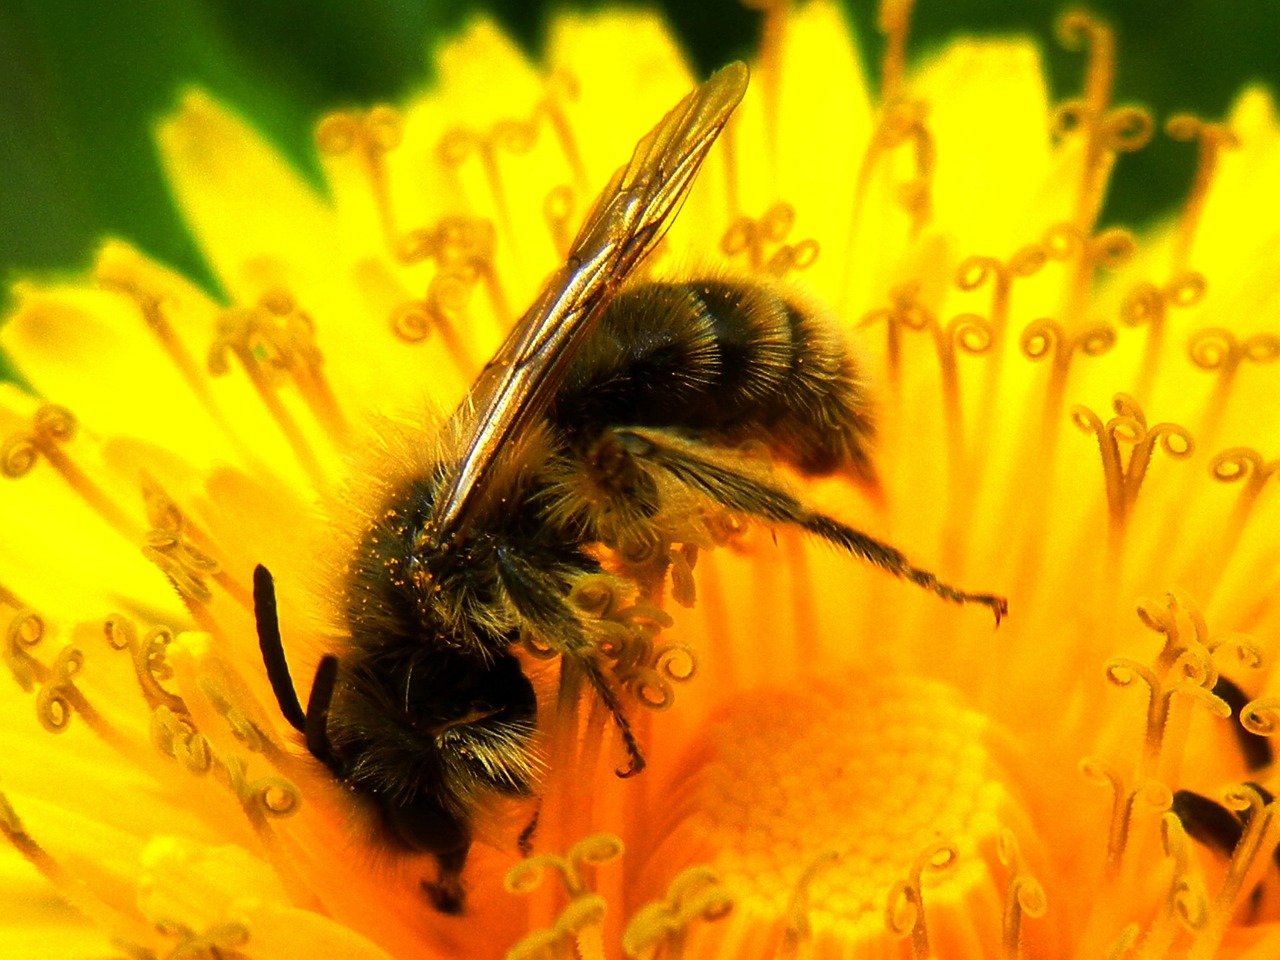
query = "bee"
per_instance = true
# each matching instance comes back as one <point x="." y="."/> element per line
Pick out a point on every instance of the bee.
<point x="605" y="408"/>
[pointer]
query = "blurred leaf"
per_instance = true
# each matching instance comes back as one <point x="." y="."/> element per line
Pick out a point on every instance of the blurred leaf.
<point x="84" y="84"/>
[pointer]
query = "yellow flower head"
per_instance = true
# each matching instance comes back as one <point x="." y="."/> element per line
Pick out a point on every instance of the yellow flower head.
<point x="838" y="763"/>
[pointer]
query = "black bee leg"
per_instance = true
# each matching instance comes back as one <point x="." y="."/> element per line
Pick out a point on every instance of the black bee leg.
<point x="1212" y="824"/>
<point x="445" y="891"/>
<point x="525" y="843"/>
<point x="592" y="669"/>
<point x="1207" y="821"/>
<point x="268" y="622"/>
<point x="686" y="462"/>
<point x="538" y="596"/>
<point x="1255" y="749"/>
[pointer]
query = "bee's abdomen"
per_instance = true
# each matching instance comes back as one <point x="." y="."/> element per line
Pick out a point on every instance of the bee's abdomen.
<point x="730" y="361"/>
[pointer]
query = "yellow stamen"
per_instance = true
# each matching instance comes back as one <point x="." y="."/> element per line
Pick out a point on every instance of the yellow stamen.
<point x="52" y="427"/>
<point x="1125" y="943"/>
<point x="242" y="728"/>
<point x="854" y="766"/>
<point x="58" y="699"/>
<point x="1185" y="665"/>
<point x="1123" y="480"/>
<point x="562" y="87"/>
<point x="1125" y="803"/>
<point x="1047" y="338"/>
<point x="1211" y="139"/>
<point x="1148" y="305"/>
<point x="904" y="909"/>
<point x="1107" y="132"/>
<point x="371" y="134"/>
<point x="575" y="934"/>
<point x="182" y="543"/>
<point x="579" y="923"/>
<point x="283" y="338"/>
<point x="901" y="122"/>
<point x="1123" y="671"/>
<point x="185" y="565"/>
<point x="257" y="338"/>
<point x="593" y="851"/>
<point x="626" y="635"/>
<point x="462" y="249"/>
<point x="895" y="23"/>
<point x="1186" y="904"/>
<point x="121" y="269"/>
<point x="661" y="928"/>
<point x="1262" y="716"/>
<point x="148" y="655"/>
<point x="1190" y="658"/>
<point x="773" y="38"/>
<point x="904" y="125"/>
<point x="1023" y="896"/>
<point x="561" y="215"/>
<point x="906" y="312"/>
<point x="1218" y="349"/>
<point x="516" y="137"/>
<point x="973" y="335"/>
<point x="1242" y="464"/>
<point x="215" y="698"/>
<point x="798" y="931"/>
<point x="304" y="361"/>
<point x="1247" y="860"/>
<point x="219" y="940"/>
<point x="25" y="630"/>
<point x="966" y="332"/>
<point x="175" y="736"/>
<point x="263" y="799"/>
<point x="975" y="271"/>
<point x="752" y="237"/>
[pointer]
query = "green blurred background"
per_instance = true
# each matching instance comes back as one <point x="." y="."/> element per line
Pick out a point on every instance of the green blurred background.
<point x="81" y="84"/>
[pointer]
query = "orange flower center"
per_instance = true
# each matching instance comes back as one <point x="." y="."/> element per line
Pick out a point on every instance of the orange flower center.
<point x="811" y="803"/>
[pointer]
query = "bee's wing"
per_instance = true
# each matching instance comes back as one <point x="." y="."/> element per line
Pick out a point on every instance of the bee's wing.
<point x="628" y="219"/>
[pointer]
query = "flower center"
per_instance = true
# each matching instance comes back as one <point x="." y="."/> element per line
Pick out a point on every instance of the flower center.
<point x="851" y="809"/>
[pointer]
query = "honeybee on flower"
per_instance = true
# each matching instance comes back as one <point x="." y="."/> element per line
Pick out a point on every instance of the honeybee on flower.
<point x="1067" y="410"/>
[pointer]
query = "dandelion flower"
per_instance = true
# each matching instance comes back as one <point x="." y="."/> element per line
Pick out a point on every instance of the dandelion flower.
<point x="1084" y="419"/>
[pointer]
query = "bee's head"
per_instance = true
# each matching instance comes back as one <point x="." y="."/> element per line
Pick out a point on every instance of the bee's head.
<point x="423" y="733"/>
<point x="429" y="736"/>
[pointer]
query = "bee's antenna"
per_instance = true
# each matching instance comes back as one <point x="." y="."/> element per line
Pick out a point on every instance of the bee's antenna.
<point x="316" y="726"/>
<point x="268" y="621"/>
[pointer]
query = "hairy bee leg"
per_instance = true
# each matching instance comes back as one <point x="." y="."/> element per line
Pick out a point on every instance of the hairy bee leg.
<point x="539" y="598"/>
<point x="751" y="496"/>
<point x="316" y="728"/>
<point x="445" y="891"/>
<point x="591" y="668"/>
<point x="267" y="619"/>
